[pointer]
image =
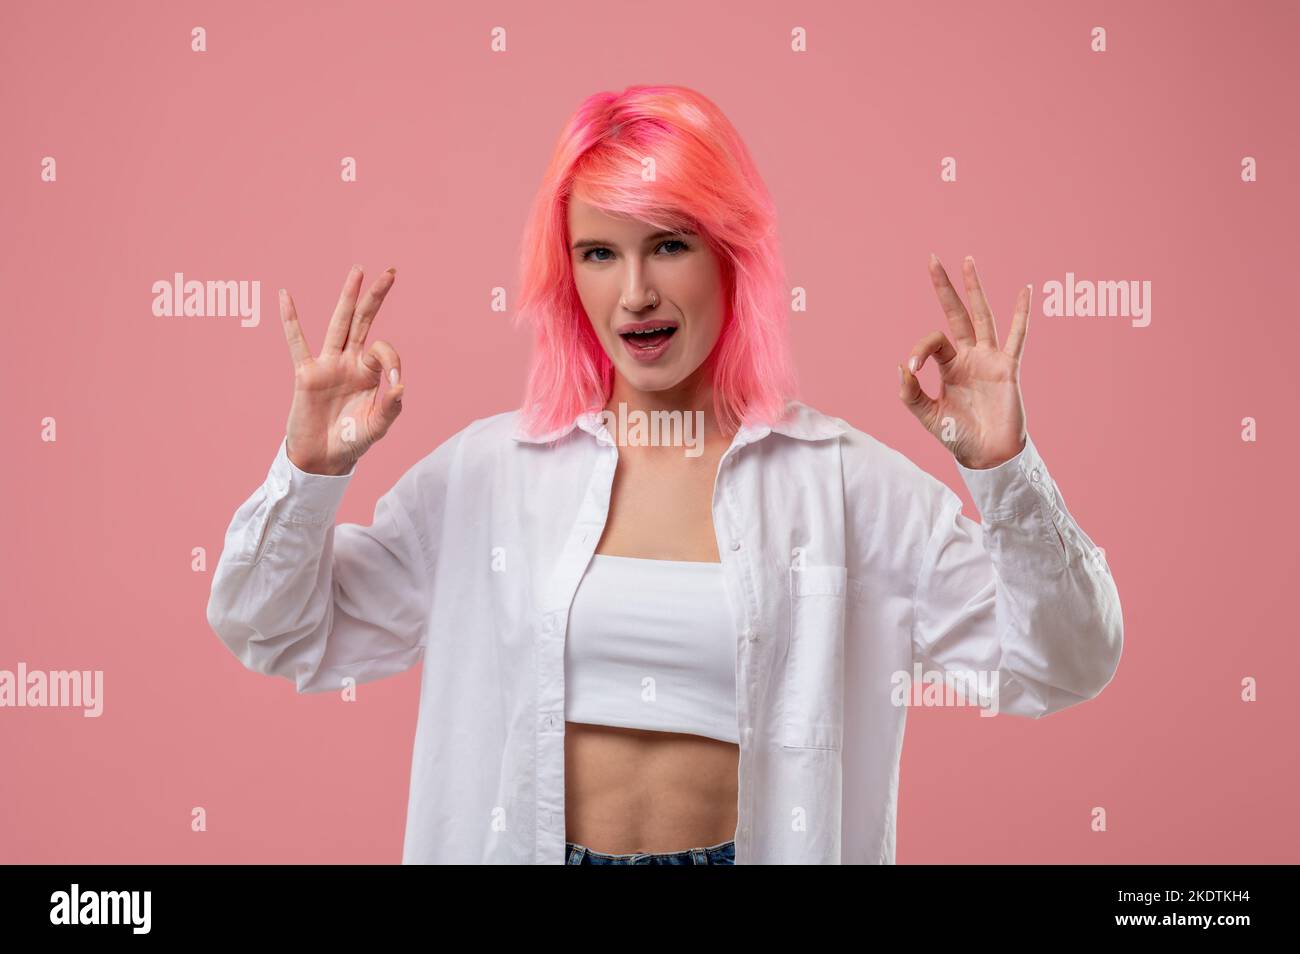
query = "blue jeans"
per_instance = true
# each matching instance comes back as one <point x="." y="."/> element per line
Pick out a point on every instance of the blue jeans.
<point x="722" y="854"/>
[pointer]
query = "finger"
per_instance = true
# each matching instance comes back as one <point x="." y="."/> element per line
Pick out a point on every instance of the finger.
<point x="382" y="358"/>
<point x="935" y="343"/>
<point x="369" y="307"/>
<point x="1015" y="345"/>
<point x="298" y="349"/>
<point x="958" y="319"/>
<point x="336" y="335"/>
<point x="913" y="395"/>
<point x="986" y="329"/>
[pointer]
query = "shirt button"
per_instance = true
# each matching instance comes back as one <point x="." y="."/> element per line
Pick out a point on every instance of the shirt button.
<point x="1033" y="474"/>
<point x="735" y="544"/>
<point x="751" y="634"/>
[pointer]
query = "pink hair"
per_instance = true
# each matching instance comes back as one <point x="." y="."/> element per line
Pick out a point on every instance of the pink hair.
<point x="705" y="181"/>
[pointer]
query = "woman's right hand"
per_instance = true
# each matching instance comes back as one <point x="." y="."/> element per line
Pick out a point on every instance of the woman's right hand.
<point x="337" y="413"/>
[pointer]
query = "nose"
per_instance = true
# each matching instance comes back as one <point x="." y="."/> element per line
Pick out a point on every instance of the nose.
<point x="637" y="294"/>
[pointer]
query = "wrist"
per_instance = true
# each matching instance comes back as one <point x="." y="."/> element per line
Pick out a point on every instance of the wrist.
<point x="995" y="461"/>
<point x="318" y="468"/>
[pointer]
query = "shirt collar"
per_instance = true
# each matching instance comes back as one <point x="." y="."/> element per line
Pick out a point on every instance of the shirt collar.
<point x="800" y="422"/>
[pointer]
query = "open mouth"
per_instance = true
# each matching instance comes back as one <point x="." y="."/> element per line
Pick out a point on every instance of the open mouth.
<point x="649" y="339"/>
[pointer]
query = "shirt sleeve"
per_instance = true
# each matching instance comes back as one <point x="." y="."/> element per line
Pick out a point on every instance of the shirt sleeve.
<point x="1025" y="595"/>
<point x="295" y="596"/>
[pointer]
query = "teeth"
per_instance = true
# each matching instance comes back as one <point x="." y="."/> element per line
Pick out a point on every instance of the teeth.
<point x="647" y="331"/>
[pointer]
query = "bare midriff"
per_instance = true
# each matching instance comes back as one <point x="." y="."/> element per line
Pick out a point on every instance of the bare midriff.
<point x="637" y="790"/>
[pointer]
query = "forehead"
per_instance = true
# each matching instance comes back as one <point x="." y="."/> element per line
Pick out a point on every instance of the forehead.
<point x="587" y="221"/>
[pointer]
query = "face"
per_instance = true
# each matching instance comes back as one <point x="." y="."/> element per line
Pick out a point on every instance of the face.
<point x="621" y="266"/>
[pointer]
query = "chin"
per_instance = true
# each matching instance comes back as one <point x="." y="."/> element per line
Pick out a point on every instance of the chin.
<point x="651" y="379"/>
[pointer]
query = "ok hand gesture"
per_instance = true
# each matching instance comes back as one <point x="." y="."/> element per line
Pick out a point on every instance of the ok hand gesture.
<point x="337" y="413"/>
<point x="978" y="413"/>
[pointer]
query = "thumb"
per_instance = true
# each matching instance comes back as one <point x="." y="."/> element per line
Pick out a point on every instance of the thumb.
<point x="381" y="357"/>
<point x="917" y="401"/>
<point x="390" y="405"/>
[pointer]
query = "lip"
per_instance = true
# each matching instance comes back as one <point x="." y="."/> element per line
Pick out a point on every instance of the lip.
<point x="645" y="325"/>
<point x="649" y="355"/>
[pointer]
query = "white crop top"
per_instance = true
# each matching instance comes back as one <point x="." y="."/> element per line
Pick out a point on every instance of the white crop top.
<point x="651" y="645"/>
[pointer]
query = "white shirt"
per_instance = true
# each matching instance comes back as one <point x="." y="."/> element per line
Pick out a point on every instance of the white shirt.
<point x="845" y="563"/>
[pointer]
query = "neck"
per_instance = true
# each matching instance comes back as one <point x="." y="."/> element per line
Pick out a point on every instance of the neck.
<point x="694" y="394"/>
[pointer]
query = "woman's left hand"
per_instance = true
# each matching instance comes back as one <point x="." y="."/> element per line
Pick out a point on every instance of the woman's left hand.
<point x="978" y="414"/>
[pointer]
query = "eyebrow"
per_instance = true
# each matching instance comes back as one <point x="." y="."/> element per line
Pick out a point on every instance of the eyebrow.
<point x="589" y="243"/>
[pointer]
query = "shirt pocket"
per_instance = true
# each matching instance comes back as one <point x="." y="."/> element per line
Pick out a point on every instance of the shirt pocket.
<point x="814" y="668"/>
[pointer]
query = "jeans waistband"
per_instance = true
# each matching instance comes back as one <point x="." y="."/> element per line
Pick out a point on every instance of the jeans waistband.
<point x="723" y="853"/>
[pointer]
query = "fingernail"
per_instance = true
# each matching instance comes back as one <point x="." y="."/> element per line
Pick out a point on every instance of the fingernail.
<point x="392" y="376"/>
<point x="357" y="268"/>
<point x="282" y="293"/>
<point x="391" y="268"/>
<point x="933" y="257"/>
<point x="971" y="259"/>
<point x="912" y="363"/>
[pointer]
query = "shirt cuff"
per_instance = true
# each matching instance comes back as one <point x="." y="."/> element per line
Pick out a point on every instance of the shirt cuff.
<point x="1012" y="488"/>
<point x="307" y="498"/>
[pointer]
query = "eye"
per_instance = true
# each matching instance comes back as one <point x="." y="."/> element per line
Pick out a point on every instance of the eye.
<point x="587" y="256"/>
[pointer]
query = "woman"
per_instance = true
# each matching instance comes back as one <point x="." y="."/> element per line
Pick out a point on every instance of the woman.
<point x="679" y="643"/>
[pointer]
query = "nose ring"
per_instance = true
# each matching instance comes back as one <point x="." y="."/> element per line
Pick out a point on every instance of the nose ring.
<point x="654" y="300"/>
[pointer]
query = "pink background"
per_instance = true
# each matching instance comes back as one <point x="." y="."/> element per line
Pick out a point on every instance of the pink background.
<point x="225" y="165"/>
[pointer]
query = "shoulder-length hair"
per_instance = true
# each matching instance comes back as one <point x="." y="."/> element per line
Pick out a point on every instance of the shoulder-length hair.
<point x="703" y="180"/>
